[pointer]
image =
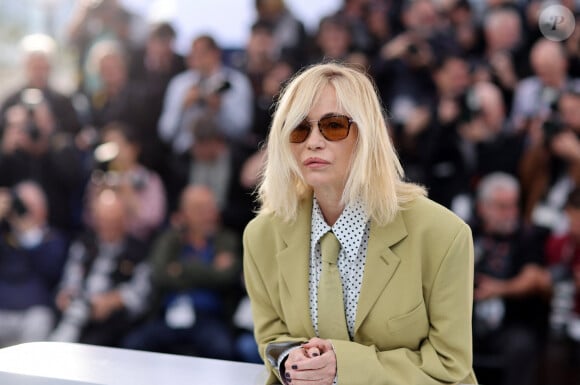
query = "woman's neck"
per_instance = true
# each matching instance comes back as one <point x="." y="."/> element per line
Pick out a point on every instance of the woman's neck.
<point x="330" y="205"/>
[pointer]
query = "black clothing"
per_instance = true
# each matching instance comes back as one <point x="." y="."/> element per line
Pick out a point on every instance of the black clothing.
<point x="59" y="172"/>
<point x="61" y="106"/>
<point x="507" y="332"/>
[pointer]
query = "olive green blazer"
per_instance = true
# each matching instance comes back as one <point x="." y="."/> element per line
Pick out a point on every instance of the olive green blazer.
<point x="413" y="321"/>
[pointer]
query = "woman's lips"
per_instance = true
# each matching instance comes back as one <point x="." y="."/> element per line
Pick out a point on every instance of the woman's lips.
<point x="315" y="162"/>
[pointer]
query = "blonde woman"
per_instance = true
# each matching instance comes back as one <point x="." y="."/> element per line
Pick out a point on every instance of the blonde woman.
<point x="405" y="264"/>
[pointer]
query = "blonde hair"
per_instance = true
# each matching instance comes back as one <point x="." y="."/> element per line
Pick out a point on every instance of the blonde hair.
<point x="375" y="177"/>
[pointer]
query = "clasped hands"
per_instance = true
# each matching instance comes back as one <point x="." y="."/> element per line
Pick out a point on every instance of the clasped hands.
<point x="313" y="363"/>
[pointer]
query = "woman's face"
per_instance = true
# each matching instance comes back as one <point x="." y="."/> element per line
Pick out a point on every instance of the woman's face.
<point x="324" y="164"/>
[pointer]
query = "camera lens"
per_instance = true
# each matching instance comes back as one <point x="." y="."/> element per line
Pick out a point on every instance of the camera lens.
<point x="18" y="206"/>
<point x="31" y="98"/>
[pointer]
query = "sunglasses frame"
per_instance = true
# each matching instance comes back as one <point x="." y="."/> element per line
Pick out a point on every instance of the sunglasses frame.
<point x="311" y="125"/>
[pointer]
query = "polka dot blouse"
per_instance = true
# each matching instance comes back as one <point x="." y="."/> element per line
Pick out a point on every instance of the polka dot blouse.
<point x="352" y="231"/>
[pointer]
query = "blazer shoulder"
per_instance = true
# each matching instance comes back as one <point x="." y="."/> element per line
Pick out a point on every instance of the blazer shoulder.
<point x="262" y="226"/>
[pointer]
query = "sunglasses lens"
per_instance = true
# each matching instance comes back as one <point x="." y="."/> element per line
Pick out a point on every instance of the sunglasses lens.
<point x="334" y="127"/>
<point x="300" y="133"/>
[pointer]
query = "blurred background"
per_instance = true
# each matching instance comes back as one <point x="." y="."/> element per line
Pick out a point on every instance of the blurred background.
<point x="113" y="113"/>
<point x="228" y="21"/>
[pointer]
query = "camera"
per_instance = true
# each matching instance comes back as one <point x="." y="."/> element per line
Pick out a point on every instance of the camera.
<point x="553" y="125"/>
<point x="469" y="106"/>
<point x="18" y="207"/>
<point x="216" y="85"/>
<point x="224" y="86"/>
<point x="15" y="208"/>
<point x="30" y="99"/>
<point x="104" y="154"/>
<point x="102" y="174"/>
<point x="412" y="49"/>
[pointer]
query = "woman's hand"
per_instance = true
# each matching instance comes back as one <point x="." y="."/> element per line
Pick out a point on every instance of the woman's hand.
<point x="316" y="362"/>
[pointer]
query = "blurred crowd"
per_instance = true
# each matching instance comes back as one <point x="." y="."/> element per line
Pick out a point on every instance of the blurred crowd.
<point x="122" y="205"/>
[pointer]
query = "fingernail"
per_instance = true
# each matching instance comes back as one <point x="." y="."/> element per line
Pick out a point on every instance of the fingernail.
<point x="294" y="367"/>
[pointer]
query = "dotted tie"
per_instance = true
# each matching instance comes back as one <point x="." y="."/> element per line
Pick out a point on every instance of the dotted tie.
<point x="331" y="318"/>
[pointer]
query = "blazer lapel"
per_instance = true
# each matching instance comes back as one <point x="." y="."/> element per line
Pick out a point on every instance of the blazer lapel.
<point x="381" y="264"/>
<point x="294" y="261"/>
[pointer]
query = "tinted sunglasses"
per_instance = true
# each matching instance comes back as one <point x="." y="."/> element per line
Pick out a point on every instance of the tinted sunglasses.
<point x="332" y="128"/>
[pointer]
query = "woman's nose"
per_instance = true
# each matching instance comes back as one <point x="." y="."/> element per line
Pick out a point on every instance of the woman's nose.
<point x="315" y="138"/>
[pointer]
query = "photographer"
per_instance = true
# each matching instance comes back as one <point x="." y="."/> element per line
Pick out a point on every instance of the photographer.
<point x="195" y="271"/>
<point x="92" y="21"/>
<point x="117" y="167"/>
<point x="533" y="95"/>
<point x="550" y="166"/>
<point x="404" y="63"/>
<point x="504" y="52"/>
<point x="29" y="128"/>
<point x="484" y="124"/>
<point x="563" y="257"/>
<point x="32" y="255"/>
<point x="207" y="86"/>
<point x="471" y="139"/>
<point x="31" y="148"/>
<point x="105" y="283"/>
<point x="38" y="53"/>
<point x="509" y="313"/>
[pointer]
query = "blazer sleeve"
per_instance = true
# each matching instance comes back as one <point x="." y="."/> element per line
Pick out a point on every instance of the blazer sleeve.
<point x="269" y="326"/>
<point x="445" y="356"/>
